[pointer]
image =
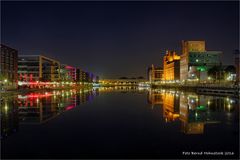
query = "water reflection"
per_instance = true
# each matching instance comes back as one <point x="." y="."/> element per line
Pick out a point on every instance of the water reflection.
<point x="39" y="107"/>
<point x="192" y="110"/>
<point x="9" y="117"/>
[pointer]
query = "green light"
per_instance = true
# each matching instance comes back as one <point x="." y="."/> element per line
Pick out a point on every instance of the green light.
<point x="201" y="68"/>
<point x="201" y="108"/>
<point x="196" y="60"/>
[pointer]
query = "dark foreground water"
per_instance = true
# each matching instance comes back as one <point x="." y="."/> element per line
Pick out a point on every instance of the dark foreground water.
<point x="119" y="123"/>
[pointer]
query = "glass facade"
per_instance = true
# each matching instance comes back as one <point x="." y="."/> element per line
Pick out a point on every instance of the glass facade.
<point x="38" y="68"/>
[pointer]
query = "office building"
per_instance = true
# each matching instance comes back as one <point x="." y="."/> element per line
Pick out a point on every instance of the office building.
<point x="8" y="67"/>
<point x="195" y="60"/>
<point x="171" y="66"/>
<point x="72" y="72"/>
<point x="155" y="74"/>
<point x="65" y="74"/>
<point x="38" y="68"/>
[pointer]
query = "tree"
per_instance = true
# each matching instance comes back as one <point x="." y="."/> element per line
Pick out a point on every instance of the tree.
<point x="230" y="69"/>
<point x="216" y="72"/>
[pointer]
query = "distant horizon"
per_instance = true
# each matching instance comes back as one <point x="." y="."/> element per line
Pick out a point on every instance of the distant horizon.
<point x="116" y="39"/>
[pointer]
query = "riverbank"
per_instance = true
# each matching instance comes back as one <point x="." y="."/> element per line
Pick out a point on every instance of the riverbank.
<point x="214" y="89"/>
<point x="30" y="90"/>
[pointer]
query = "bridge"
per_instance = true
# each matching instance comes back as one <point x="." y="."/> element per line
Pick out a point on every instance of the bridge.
<point x="121" y="82"/>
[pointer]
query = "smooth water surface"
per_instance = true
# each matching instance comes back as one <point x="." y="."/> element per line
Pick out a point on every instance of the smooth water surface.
<point x="123" y="122"/>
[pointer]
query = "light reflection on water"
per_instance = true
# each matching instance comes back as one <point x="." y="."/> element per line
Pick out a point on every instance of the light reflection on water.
<point x="39" y="107"/>
<point x="190" y="116"/>
<point x="194" y="111"/>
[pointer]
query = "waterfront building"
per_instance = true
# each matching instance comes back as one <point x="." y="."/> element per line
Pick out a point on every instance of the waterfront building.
<point x="71" y="72"/>
<point x="8" y="67"/>
<point x="38" y="68"/>
<point x="195" y="60"/>
<point x="83" y="76"/>
<point x="155" y="74"/>
<point x="171" y="66"/>
<point x="66" y="74"/>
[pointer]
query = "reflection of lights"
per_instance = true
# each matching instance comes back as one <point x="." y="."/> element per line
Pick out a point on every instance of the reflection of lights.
<point x="196" y="114"/>
<point x="229" y="106"/>
<point x="70" y="107"/>
<point x="208" y="102"/>
<point x="6" y="108"/>
<point x="37" y="100"/>
<point x="35" y="95"/>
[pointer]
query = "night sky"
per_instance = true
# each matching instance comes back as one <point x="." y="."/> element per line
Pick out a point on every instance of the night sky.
<point x="114" y="39"/>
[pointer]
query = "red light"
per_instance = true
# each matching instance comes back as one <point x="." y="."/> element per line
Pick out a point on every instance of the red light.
<point x="70" y="107"/>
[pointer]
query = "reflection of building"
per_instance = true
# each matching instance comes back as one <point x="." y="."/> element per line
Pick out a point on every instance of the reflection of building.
<point x="9" y="117"/>
<point x="189" y="124"/>
<point x="37" y="108"/>
<point x="170" y="106"/>
<point x="194" y="111"/>
<point x="195" y="60"/>
<point x="171" y="66"/>
<point x="38" y="68"/>
<point x="8" y="66"/>
<point x="155" y="74"/>
<point x="197" y="110"/>
<point x="155" y="98"/>
<point x="169" y="102"/>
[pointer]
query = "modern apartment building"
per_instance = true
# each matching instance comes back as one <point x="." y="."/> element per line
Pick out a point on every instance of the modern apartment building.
<point x="8" y="66"/>
<point x="38" y="68"/>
